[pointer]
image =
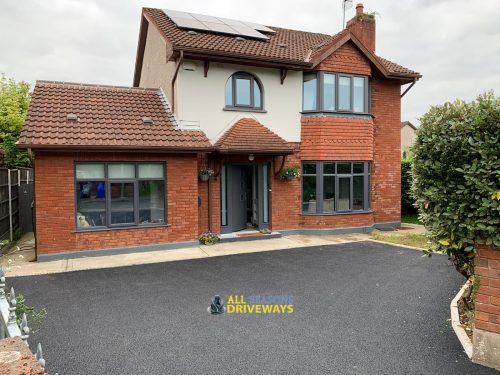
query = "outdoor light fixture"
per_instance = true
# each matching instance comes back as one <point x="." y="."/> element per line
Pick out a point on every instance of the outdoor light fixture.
<point x="251" y="157"/>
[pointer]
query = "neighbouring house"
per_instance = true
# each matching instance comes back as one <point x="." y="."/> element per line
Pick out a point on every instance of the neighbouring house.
<point x="117" y="168"/>
<point x="408" y="137"/>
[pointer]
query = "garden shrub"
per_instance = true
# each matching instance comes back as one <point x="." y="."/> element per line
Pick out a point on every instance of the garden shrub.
<point x="456" y="177"/>
<point x="407" y="199"/>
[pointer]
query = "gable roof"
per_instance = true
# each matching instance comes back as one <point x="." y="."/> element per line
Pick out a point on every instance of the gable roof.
<point x="285" y="48"/>
<point x="249" y="136"/>
<point x="109" y="117"/>
<point x="405" y="123"/>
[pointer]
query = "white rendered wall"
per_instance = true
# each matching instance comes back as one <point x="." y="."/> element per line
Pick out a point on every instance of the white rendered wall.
<point x="200" y="100"/>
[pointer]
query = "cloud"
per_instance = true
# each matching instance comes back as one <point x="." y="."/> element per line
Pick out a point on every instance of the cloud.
<point x="453" y="43"/>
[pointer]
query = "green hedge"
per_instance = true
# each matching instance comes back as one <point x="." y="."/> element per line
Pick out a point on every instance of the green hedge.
<point x="456" y="177"/>
<point x="407" y="199"/>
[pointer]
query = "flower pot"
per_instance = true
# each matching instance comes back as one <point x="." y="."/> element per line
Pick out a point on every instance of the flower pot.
<point x="204" y="177"/>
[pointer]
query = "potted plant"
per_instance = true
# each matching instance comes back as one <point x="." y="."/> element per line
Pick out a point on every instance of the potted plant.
<point x="204" y="174"/>
<point x="289" y="173"/>
<point x="208" y="238"/>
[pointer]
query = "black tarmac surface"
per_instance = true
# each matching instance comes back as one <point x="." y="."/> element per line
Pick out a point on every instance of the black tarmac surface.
<point x="359" y="308"/>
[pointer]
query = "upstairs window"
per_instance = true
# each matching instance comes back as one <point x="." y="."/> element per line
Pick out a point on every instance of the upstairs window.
<point x="243" y="91"/>
<point x="332" y="92"/>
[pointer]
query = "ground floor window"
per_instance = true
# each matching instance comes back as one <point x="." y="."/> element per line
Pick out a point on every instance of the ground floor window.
<point x="335" y="187"/>
<point x="119" y="194"/>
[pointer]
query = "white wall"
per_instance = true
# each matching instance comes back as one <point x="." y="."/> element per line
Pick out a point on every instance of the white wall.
<point x="200" y="100"/>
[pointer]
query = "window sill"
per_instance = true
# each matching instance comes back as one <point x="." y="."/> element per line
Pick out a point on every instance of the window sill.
<point x="243" y="109"/>
<point x="336" y="114"/>
<point x="338" y="213"/>
<point x="107" y="229"/>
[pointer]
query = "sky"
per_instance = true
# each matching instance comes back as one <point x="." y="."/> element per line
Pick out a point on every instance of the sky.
<point x="454" y="44"/>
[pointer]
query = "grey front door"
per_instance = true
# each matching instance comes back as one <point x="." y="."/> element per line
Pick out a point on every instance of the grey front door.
<point x="239" y="198"/>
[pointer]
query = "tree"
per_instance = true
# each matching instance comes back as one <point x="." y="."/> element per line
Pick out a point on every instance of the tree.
<point x="456" y="177"/>
<point x="14" y="102"/>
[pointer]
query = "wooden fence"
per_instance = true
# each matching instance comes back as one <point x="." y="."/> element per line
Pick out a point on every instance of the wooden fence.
<point x="16" y="202"/>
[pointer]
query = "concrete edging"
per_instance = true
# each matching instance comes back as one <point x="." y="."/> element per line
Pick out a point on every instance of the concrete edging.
<point x="457" y="326"/>
<point x="400" y="245"/>
<point x="348" y="230"/>
<point x="116" y="251"/>
<point x="187" y="244"/>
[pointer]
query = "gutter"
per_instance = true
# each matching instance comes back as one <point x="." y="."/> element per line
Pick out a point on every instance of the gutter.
<point x="199" y="53"/>
<point x="107" y="148"/>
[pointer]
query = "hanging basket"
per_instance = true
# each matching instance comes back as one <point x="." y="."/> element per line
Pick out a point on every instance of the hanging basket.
<point x="290" y="173"/>
<point x="204" y="174"/>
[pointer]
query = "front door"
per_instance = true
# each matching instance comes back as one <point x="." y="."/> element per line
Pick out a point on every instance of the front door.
<point x="244" y="197"/>
<point x="239" y="197"/>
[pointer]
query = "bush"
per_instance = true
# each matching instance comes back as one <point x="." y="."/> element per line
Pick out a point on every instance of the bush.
<point x="14" y="157"/>
<point x="407" y="199"/>
<point x="456" y="177"/>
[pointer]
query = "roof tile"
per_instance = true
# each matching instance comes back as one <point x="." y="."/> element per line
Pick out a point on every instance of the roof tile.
<point x="300" y="45"/>
<point x="108" y="116"/>
<point x="242" y="136"/>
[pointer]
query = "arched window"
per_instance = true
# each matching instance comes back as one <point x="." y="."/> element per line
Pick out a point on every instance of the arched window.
<point x="243" y="90"/>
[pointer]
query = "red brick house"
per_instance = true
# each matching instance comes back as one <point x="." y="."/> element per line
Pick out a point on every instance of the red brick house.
<point x="116" y="168"/>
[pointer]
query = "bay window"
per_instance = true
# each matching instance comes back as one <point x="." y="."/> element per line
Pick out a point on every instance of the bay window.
<point x="119" y="194"/>
<point x="330" y="187"/>
<point x="310" y="92"/>
<point x="332" y="92"/>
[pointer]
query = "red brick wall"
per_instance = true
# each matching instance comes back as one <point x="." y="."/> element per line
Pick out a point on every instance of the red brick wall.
<point x="336" y="221"/>
<point x="364" y="29"/>
<point x="487" y="266"/>
<point x="347" y="59"/>
<point x="386" y="168"/>
<point x="55" y="204"/>
<point x="203" y="195"/>
<point x="285" y="197"/>
<point x="333" y="138"/>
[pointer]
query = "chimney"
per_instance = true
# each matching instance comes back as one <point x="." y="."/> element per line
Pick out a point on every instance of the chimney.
<point x="362" y="25"/>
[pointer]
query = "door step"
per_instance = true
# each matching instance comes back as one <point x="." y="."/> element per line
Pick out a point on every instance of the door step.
<point x="248" y="236"/>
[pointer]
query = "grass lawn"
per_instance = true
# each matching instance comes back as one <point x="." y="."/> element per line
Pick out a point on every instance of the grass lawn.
<point x="409" y="239"/>
<point x="410" y="219"/>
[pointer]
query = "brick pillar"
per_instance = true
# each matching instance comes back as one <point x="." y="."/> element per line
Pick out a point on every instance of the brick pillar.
<point x="16" y="358"/>
<point x="486" y="338"/>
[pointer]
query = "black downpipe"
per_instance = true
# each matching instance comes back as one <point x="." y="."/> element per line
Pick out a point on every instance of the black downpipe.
<point x="210" y="165"/>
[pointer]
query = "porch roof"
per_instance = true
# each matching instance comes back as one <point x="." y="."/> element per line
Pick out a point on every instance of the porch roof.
<point x="250" y="136"/>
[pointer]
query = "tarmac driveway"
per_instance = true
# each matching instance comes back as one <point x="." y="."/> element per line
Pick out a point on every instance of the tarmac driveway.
<point x="359" y="308"/>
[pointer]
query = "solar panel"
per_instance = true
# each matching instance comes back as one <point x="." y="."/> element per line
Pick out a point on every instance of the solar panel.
<point x="221" y="28"/>
<point x="187" y="23"/>
<point x="258" y="26"/>
<point x="220" y="25"/>
<point x="245" y="30"/>
<point x="203" y="18"/>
